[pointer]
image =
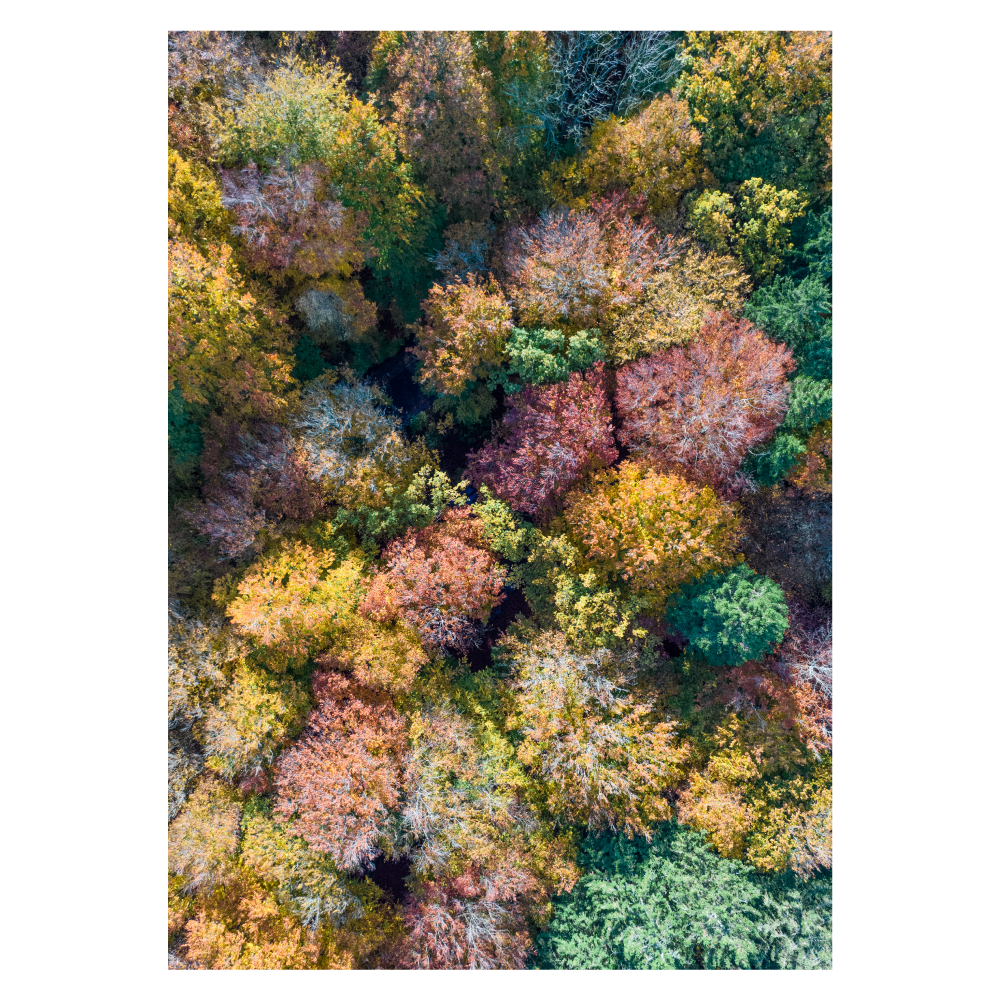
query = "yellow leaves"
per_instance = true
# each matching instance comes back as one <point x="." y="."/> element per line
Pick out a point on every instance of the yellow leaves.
<point x="291" y="600"/>
<point x="794" y="829"/>
<point x="655" y="531"/>
<point x="677" y="300"/>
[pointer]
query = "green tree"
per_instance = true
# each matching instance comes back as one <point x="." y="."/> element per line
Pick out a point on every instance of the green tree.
<point x="762" y="102"/>
<point x="732" y="617"/>
<point x="672" y="903"/>
<point x="810" y="403"/>
<point x="797" y="307"/>
<point x="539" y="357"/>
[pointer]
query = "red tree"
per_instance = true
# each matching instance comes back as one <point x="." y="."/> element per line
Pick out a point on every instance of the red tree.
<point x="450" y="931"/>
<point x="343" y="777"/>
<point x="439" y="579"/>
<point x="551" y="436"/>
<point x="264" y="483"/>
<point x="697" y="409"/>
<point x="287" y="220"/>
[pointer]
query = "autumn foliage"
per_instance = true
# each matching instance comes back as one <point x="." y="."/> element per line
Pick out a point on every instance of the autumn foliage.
<point x="463" y="337"/>
<point x="340" y="781"/>
<point x="550" y="437"/>
<point x="291" y="601"/>
<point x="266" y="483"/>
<point x="554" y="691"/>
<point x="440" y="580"/>
<point x="697" y="409"/>
<point x="441" y="103"/>
<point x="214" y="326"/>
<point x="654" y="530"/>
<point x="655" y="157"/>
<point x="587" y="738"/>
<point x="575" y="270"/>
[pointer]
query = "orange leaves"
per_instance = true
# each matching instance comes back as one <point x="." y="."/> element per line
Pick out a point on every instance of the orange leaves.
<point x="655" y="155"/>
<point x="340" y="781"/>
<point x="438" y="579"/>
<point x="463" y="339"/>
<point x="384" y="654"/>
<point x="814" y="472"/>
<point x="215" y="335"/>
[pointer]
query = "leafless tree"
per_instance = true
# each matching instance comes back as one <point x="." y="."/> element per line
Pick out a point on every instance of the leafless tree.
<point x="594" y="74"/>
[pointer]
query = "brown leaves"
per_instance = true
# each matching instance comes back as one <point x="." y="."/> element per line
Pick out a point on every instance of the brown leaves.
<point x="574" y="270"/>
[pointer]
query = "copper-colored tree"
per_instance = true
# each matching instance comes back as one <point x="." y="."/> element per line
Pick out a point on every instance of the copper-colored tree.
<point x="551" y="436"/>
<point x="440" y="579"/>
<point x="342" y="778"/>
<point x="287" y="219"/>
<point x="467" y="324"/>
<point x="579" y="269"/>
<point x="697" y="409"/>
<point x="265" y="482"/>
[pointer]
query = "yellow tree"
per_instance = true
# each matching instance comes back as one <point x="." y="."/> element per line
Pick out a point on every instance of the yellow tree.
<point x="224" y="350"/>
<point x="655" y="531"/>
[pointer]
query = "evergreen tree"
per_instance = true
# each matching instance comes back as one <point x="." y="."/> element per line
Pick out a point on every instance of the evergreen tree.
<point x="731" y="618"/>
<point x="672" y="903"/>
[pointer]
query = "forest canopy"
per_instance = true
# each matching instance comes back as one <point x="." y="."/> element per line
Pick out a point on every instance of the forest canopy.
<point x="500" y="409"/>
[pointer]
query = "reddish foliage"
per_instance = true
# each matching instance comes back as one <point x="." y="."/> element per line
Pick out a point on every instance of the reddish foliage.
<point x="697" y="409"/>
<point x="551" y="436"/>
<point x="342" y="778"/>
<point x="578" y="269"/>
<point x="182" y="137"/>
<point x="265" y="483"/>
<point x="287" y="221"/>
<point x="439" y="578"/>
<point x="447" y="117"/>
<point x="448" y="930"/>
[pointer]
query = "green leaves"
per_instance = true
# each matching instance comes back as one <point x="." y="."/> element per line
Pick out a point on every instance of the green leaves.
<point x="428" y="495"/>
<point x="674" y="904"/>
<point x="809" y="403"/>
<point x="539" y="357"/>
<point x="731" y="618"/>
<point x="756" y="225"/>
